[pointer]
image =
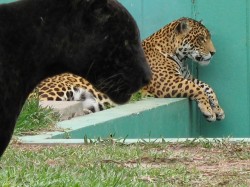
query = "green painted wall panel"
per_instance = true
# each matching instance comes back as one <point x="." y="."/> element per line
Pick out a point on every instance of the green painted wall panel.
<point x="228" y="72"/>
<point x="158" y="13"/>
<point x="248" y="56"/>
<point x="6" y="1"/>
<point x="152" y="15"/>
<point x="151" y="118"/>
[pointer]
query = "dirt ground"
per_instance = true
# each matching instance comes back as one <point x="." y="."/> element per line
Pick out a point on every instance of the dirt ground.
<point x="219" y="164"/>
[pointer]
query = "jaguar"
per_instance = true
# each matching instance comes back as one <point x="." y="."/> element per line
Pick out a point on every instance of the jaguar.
<point x="70" y="87"/>
<point x="167" y="51"/>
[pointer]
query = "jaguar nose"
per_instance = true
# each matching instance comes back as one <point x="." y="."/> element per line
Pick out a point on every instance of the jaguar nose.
<point x="212" y="53"/>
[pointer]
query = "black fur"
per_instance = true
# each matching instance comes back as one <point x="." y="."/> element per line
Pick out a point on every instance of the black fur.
<point x="96" y="39"/>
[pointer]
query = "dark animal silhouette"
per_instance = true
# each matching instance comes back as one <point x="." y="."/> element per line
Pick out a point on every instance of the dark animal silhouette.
<point x="95" y="39"/>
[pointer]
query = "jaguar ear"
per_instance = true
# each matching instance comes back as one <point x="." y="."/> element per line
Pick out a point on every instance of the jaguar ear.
<point x="182" y="26"/>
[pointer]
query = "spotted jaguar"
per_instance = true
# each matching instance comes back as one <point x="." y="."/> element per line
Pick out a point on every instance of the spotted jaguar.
<point x="166" y="51"/>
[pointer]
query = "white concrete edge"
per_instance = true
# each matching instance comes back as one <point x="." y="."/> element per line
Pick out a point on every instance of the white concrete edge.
<point x="129" y="141"/>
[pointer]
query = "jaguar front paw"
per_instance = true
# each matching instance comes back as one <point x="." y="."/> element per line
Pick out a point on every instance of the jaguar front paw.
<point x="207" y="112"/>
<point x="210" y="118"/>
<point x="220" y="114"/>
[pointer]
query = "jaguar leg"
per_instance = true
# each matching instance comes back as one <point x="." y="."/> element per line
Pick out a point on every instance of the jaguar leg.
<point x="181" y="87"/>
<point x="212" y="99"/>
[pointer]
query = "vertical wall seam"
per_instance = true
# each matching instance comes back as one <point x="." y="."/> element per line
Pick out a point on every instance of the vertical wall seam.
<point x="142" y="17"/>
<point x="193" y="9"/>
<point x="248" y="55"/>
<point x="196" y="116"/>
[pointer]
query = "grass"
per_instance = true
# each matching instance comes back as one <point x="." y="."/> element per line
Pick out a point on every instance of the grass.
<point x="191" y="163"/>
<point x="115" y="164"/>
<point x="138" y="96"/>
<point x="34" y="118"/>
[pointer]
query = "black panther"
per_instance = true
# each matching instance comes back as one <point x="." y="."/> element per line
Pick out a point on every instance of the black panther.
<point x="95" y="39"/>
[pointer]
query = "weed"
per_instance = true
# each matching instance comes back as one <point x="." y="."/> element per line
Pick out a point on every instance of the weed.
<point x="35" y="118"/>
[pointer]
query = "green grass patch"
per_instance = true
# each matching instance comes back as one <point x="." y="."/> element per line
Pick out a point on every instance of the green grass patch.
<point x="34" y="118"/>
<point x="138" y="96"/>
<point x="116" y="164"/>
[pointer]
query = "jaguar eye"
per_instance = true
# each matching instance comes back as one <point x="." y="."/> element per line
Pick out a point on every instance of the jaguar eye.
<point x="201" y="39"/>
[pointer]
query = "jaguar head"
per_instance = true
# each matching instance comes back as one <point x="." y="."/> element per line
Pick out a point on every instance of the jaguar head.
<point x="194" y="41"/>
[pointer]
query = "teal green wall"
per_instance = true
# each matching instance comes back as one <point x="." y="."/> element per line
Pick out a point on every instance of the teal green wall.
<point x="150" y="118"/>
<point x="151" y="15"/>
<point x="228" y="74"/>
<point x="229" y="71"/>
<point x="6" y="1"/>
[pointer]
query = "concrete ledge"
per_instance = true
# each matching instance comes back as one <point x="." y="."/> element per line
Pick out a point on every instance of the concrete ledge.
<point x="66" y="109"/>
<point x="150" y="118"/>
<point x="128" y="141"/>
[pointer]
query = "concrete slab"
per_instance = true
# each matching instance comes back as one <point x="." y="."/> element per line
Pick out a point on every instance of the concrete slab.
<point x="146" y="119"/>
<point x="66" y="109"/>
